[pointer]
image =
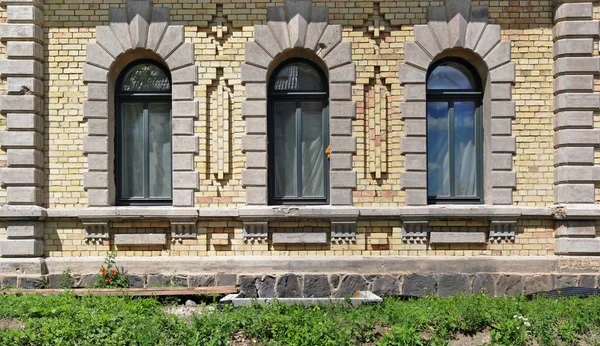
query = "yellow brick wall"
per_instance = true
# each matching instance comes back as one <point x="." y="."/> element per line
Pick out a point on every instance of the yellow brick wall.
<point x="69" y="26"/>
<point x="373" y="238"/>
<point x="2" y="118"/>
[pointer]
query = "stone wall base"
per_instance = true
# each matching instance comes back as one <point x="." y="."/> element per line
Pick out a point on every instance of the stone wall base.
<point x="323" y="276"/>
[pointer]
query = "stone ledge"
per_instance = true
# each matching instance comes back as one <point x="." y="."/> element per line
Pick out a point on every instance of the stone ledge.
<point x="457" y="238"/>
<point x="140" y="239"/>
<point x="299" y="238"/>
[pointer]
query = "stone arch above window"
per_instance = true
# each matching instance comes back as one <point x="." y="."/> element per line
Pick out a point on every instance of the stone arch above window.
<point x="459" y="29"/>
<point x="138" y="30"/>
<point x="299" y="29"/>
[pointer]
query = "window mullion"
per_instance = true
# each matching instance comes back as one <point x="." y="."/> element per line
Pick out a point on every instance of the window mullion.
<point x="146" y="153"/>
<point x="451" y="146"/>
<point x="298" y="149"/>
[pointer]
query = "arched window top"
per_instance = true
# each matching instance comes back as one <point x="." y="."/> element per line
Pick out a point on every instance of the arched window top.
<point x="453" y="75"/>
<point x="298" y="76"/>
<point x="145" y="77"/>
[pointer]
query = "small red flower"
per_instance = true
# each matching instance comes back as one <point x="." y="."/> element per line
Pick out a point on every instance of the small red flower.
<point x="110" y="280"/>
<point x="103" y="271"/>
<point x="113" y="272"/>
<point x="106" y="280"/>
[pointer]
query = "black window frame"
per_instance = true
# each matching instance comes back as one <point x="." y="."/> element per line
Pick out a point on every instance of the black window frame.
<point x="451" y="96"/>
<point x="298" y="97"/>
<point x="145" y="98"/>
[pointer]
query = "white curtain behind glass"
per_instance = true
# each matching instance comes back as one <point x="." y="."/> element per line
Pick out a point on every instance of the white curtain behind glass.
<point x="313" y="151"/>
<point x="159" y="145"/>
<point x="132" y="133"/>
<point x="285" y="149"/>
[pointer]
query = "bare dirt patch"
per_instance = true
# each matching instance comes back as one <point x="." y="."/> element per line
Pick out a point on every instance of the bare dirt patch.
<point x="480" y="338"/>
<point x="11" y="324"/>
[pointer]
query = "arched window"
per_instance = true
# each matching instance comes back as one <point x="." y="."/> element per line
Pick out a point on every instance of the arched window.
<point x="143" y="135"/>
<point x="454" y="133"/>
<point x="298" y="134"/>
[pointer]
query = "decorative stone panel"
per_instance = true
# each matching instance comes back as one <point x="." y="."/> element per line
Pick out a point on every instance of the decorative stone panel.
<point x="502" y="231"/>
<point x="139" y="25"/>
<point x="575" y="138"/>
<point x="181" y="230"/>
<point x="22" y="105"/>
<point x="96" y="231"/>
<point x="459" y="26"/>
<point x="298" y="26"/>
<point x="256" y="231"/>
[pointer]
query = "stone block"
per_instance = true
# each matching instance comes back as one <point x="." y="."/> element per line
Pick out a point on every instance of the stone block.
<point x="574" y="65"/>
<point x="538" y="283"/>
<point x="185" y="144"/>
<point x="226" y="279"/>
<point x="265" y="38"/>
<point x="256" y="195"/>
<point x="95" y="144"/>
<point x="343" y="74"/>
<point x="98" y="127"/>
<point x="580" y="119"/>
<point x="457" y="238"/>
<point x="504" y="179"/>
<point x="588" y="281"/>
<point x="181" y="57"/>
<point x="504" y="144"/>
<point x="415" y="92"/>
<point x="98" y="197"/>
<point x="254" y="108"/>
<point x="415" y="197"/>
<point x="97" y="162"/>
<point x="502" y="196"/>
<point x="253" y="74"/>
<point x="20" y="103"/>
<point x="574" y="246"/>
<point x="340" y="55"/>
<point x="159" y="22"/>
<point x="316" y="286"/>
<point x="95" y="180"/>
<point x="340" y="162"/>
<point x="484" y="283"/>
<point x="136" y="281"/>
<point x="21" y="121"/>
<point x="501" y="91"/>
<point x="415" y="127"/>
<point x="343" y="179"/>
<point x="182" y="126"/>
<point x="340" y="91"/>
<point x="341" y="197"/>
<point x="579" y="46"/>
<point x="248" y="285"/>
<point x="498" y="55"/>
<point x="576" y="174"/>
<point x="21" y="32"/>
<point x="349" y="285"/>
<point x="173" y="37"/>
<point x="385" y="286"/>
<point x="185" y="75"/>
<point x="299" y="238"/>
<point x="289" y="286"/>
<point x="574" y="156"/>
<point x="575" y="28"/>
<point x="501" y="127"/>
<point x="342" y="109"/>
<point x="502" y="161"/>
<point x="256" y="125"/>
<point x="21" y="248"/>
<point x="185" y="180"/>
<point x="564" y="281"/>
<point x="342" y="127"/>
<point x="24" y="229"/>
<point x="24" y="50"/>
<point x="25" y="13"/>
<point x="574" y="193"/>
<point x="256" y="91"/>
<point x="183" y="162"/>
<point x="414" y="179"/>
<point x="256" y="160"/>
<point x="106" y="38"/>
<point x="32" y="283"/>
<point x="254" y="177"/>
<point x="509" y="284"/>
<point x="255" y="55"/>
<point x="479" y="19"/>
<point x="25" y="157"/>
<point x="14" y="85"/>
<point x="503" y="109"/>
<point x="576" y="137"/>
<point x="205" y="280"/>
<point x="343" y="144"/>
<point x="158" y="281"/>
<point x="414" y="110"/>
<point x="425" y="37"/>
<point x="489" y="39"/>
<point x="96" y="55"/>
<point x="575" y="228"/>
<point x="415" y="55"/>
<point x="504" y="73"/>
<point x="330" y="39"/>
<point x="415" y="162"/>
<point x="24" y="195"/>
<point x="140" y="239"/>
<point x="98" y="91"/>
<point x="417" y="285"/>
<point x="266" y="287"/>
<point x="412" y="75"/>
<point x="414" y="145"/>
<point x="254" y="143"/>
<point x="183" y="198"/>
<point x="22" y="177"/>
<point x="182" y="92"/>
<point x="451" y="284"/>
<point x="185" y="109"/>
<point x="438" y="22"/>
<point x="93" y="74"/>
<point x="318" y="23"/>
<point x="21" y="139"/>
<point x="570" y="11"/>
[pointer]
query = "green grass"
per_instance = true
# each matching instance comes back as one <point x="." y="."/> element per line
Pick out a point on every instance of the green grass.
<point x="69" y="320"/>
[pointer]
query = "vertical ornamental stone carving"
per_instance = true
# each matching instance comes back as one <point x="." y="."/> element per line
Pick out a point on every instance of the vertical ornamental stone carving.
<point x="22" y="105"/>
<point x="458" y="25"/>
<point x="377" y="97"/>
<point x="139" y="25"/>
<point x="299" y="26"/>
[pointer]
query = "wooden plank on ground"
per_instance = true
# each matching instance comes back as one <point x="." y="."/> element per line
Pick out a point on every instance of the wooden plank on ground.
<point x="138" y="292"/>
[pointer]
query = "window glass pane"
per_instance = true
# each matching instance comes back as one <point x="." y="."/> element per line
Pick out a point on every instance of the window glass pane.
<point x="465" y="179"/>
<point x="313" y="150"/>
<point x="451" y="75"/>
<point x="438" y="160"/>
<point x="298" y="76"/>
<point x="132" y="151"/>
<point x="146" y="78"/>
<point x="159" y="147"/>
<point x="284" y="118"/>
